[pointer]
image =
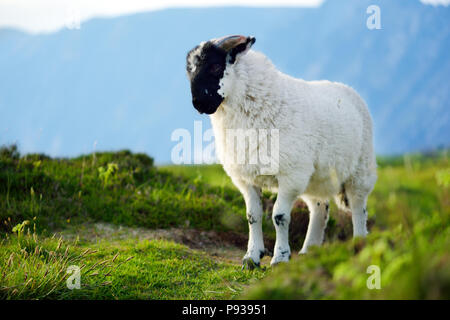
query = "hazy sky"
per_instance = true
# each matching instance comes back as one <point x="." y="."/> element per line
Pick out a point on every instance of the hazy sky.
<point x="51" y="15"/>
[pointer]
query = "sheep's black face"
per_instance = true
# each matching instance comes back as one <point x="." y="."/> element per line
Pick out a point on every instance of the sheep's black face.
<point x="206" y="65"/>
<point x="205" y="74"/>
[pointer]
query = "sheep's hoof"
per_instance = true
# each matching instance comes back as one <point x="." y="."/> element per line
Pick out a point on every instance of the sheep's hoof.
<point x="278" y="259"/>
<point x="249" y="264"/>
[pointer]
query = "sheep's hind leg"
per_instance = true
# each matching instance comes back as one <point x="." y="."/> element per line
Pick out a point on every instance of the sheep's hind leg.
<point x="318" y="218"/>
<point x="255" y="249"/>
<point x="357" y="195"/>
<point x="281" y="217"/>
<point x="359" y="215"/>
<point x="353" y="199"/>
<point x="358" y="189"/>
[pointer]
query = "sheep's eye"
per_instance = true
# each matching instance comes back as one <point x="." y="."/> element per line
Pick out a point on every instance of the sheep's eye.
<point x="215" y="68"/>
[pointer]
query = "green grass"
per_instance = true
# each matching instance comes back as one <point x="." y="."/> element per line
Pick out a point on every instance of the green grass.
<point x="409" y="219"/>
<point x="121" y="188"/>
<point x="35" y="267"/>
<point x="213" y="174"/>
<point x="409" y="242"/>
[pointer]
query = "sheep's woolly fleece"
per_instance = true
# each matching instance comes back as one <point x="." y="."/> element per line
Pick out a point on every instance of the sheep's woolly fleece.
<point x="325" y="129"/>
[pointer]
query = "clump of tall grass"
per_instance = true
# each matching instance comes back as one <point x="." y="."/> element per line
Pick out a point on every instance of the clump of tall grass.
<point x="33" y="267"/>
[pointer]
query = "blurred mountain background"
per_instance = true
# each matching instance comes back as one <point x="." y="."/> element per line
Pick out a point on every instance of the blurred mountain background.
<point x="121" y="83"/>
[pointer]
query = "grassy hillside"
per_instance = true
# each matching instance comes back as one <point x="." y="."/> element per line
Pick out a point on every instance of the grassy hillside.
<point x="121" y="188"/>
<point x="409" y="242"/>
<point x="40" y="196"/>
<point x="138" y="231"/>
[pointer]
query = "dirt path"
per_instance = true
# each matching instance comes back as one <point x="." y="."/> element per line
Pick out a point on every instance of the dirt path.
<point x="222" y="246"/>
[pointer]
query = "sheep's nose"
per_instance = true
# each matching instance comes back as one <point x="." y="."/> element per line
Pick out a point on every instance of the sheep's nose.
<point x="196" y="105"/>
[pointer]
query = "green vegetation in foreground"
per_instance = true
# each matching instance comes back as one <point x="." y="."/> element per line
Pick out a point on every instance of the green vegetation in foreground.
<point x="410" y="243"/>
<point x="40" y="196"/>
<point x="408" y="211"/>
<point x="33" y="267"/>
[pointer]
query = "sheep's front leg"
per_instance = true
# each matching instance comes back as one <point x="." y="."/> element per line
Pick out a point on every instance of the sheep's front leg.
<point x="255" y="249"/>
<point x="281" y="217"/>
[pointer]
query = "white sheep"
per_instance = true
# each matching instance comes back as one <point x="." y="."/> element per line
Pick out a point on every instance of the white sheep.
<point x="325" y="139"/>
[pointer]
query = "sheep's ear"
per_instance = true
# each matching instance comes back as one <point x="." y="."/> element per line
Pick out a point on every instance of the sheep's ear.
<point x="235" y="46"/>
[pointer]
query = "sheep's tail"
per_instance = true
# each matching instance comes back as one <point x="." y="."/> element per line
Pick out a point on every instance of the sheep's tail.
<point x="341" y="200"/>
